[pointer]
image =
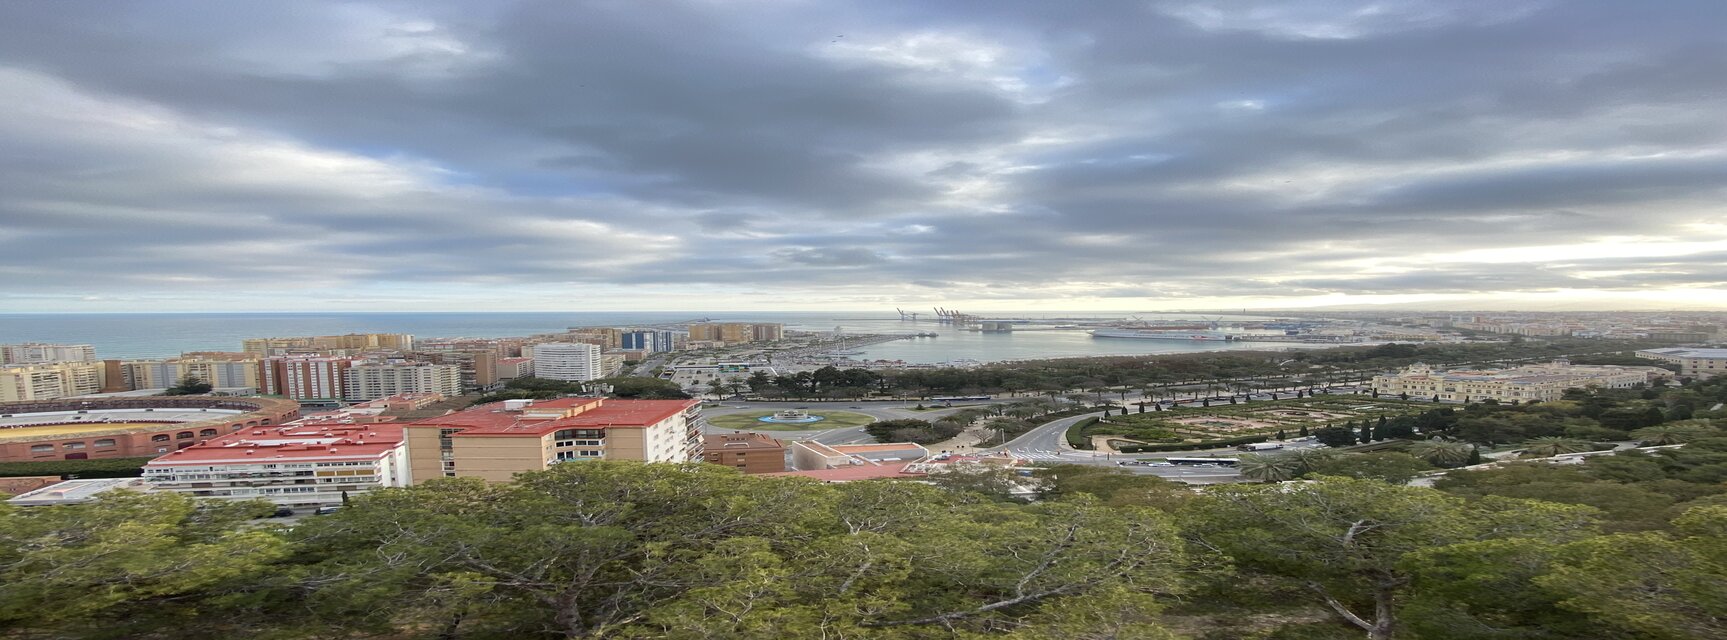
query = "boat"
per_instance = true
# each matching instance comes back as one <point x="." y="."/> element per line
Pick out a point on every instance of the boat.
<point x="1164" y="334"/>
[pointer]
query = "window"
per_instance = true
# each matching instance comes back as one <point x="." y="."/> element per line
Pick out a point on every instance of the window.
<point x="183" y="435"/>
<point x="207" y="433"/>
<point x="105" y="442"/>
<point x="41" y="448"/>
<point x="73" y="445"/>
<point x="161" y="437"/>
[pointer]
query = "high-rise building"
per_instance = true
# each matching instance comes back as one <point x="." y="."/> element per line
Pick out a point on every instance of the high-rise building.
<point x="42" y="353"/>
<point x="736" y="332"/>
<point x="306" y="378"/>
<point x="479" y="367"/>
<point x="348" y="344"/>
<point x="640" y="340"/>
<point x="373" y="380"/>
<point x="497" y="441"/>
<point x="222" y="371"/>
<point x="49" y="381"/>
<point x="567" y="361"/>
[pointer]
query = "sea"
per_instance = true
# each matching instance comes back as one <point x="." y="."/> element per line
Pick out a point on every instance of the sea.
<point x="157" y="335"/>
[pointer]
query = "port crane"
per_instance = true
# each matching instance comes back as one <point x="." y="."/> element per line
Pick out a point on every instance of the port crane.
<point x="903" y="316"/>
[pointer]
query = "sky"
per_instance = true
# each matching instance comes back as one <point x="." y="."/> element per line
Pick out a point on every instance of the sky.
<point x="812" y="155"/>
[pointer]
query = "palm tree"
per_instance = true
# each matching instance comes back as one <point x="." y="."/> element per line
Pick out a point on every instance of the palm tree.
<point x="1551" y="446"/>
<point x="1306" y="459"/>
<point x="1674" y="432"/>
<point x="1441" y="453"/>
<point x="1267" y="468"/>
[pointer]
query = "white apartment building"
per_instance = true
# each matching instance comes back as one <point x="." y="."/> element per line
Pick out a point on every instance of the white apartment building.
<point x="306" y="463"/>
<point x="1701" y="363"/>
<point x="306" y="378"/>
<point x="567" y="361"/>
<point x="373" y="380"/>
<point x="41" y="353"/>
<point x="49" y="381"/>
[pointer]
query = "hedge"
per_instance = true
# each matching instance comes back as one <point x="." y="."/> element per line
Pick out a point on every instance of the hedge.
<point x="1076" y="437"/>
<point x="1190" y="446"/>
<point x="107" y="468"/>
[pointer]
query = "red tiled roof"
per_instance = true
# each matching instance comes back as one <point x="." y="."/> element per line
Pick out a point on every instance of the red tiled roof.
<point x="493" y="420"/>
<point x="304" y="442"/>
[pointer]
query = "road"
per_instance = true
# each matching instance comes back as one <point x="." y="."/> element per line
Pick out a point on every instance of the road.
<point x="1047" y="443"/>
<point x="851" y="435"/>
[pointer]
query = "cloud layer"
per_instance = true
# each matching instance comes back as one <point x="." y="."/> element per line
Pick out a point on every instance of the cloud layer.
<point x="712" y="154"/>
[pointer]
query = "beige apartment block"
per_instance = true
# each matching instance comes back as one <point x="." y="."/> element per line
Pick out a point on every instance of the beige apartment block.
<point x="495" y="442"/>
<point x="49" y="381"/>
<point x="1529" y="383"/>
<point x="1696" y="363"/>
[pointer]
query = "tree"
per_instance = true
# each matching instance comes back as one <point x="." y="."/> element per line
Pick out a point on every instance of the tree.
<point x="1442" y="453"/>
<point x="1303" y="431"/>
<point x="1675" y="433"/>
<point x="1344" y="541"/>
<point x="1651" y="585"/>
<point x="627" y="550"/>
<point x="126" y="563"/>
<point x="1334" y="437"/>
<point x="887" y="430"/>
<point x="189" y="386"/>
<point x="1267" y="467"/>
<point x="1366" y="432"/>
<point x="1550" y="446"/>
<point x="1387" y="466"/>
<point x="643" y="388"/>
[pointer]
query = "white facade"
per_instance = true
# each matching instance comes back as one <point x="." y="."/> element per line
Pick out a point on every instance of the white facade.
<point x="308" y="462"/>
<point x="39" y="352"/>
<point x="281" y="476"/>
<point x="567" y="361"/>
<point x="377" y="380"/>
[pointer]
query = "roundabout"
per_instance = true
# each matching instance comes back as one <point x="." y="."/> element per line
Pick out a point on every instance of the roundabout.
<point x="789" y="420"/>
<point x="791" y="416"/>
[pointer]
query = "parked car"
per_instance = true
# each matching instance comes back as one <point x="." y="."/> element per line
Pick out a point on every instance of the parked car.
<point x="324" y="511"/>
<point x="282" y="512"/>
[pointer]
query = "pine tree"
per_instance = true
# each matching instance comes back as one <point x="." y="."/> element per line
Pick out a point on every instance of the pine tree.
<point x="1304" y="431"/>
<point x="1281" y="436"/>
<point x="1366" y="432"/>
<point x="1474" y="456"/>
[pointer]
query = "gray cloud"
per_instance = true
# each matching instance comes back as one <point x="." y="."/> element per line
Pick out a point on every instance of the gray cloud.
<point x="834" y="151"/>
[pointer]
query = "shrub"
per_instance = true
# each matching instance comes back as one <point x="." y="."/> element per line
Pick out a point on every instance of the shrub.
<point x="109" y="468"/>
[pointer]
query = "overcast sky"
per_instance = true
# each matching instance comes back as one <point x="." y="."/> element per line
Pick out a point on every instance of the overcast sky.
<point x="765" y="154"/>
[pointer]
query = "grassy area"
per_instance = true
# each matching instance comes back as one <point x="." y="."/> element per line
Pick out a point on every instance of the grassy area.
<point x="750" y="421"/>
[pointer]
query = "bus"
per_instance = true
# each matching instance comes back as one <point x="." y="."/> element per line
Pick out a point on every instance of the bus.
<point x="1227" y="462"/>
<point x="957" y="398"/>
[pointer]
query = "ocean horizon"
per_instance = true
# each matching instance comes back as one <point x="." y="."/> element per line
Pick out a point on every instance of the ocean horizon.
<point x="142" y="335"/>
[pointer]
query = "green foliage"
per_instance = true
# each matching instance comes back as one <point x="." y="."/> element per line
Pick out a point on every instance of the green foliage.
<point x="643" y="388"/>
<point x="126" y="562"/>
<point x="1387" y="466"/>
<point x="103" y="468"/>
<point x="1193" y="446"/>
<point x="1346" y="540"/>
<point x="188" y="386"/>
<point x="911" y="430"/>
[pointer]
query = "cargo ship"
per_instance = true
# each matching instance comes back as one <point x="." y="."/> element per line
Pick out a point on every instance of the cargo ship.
<point x="1165" y="334"/>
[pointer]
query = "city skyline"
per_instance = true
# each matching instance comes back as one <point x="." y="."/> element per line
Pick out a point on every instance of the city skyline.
<point x="703" y="155"/>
